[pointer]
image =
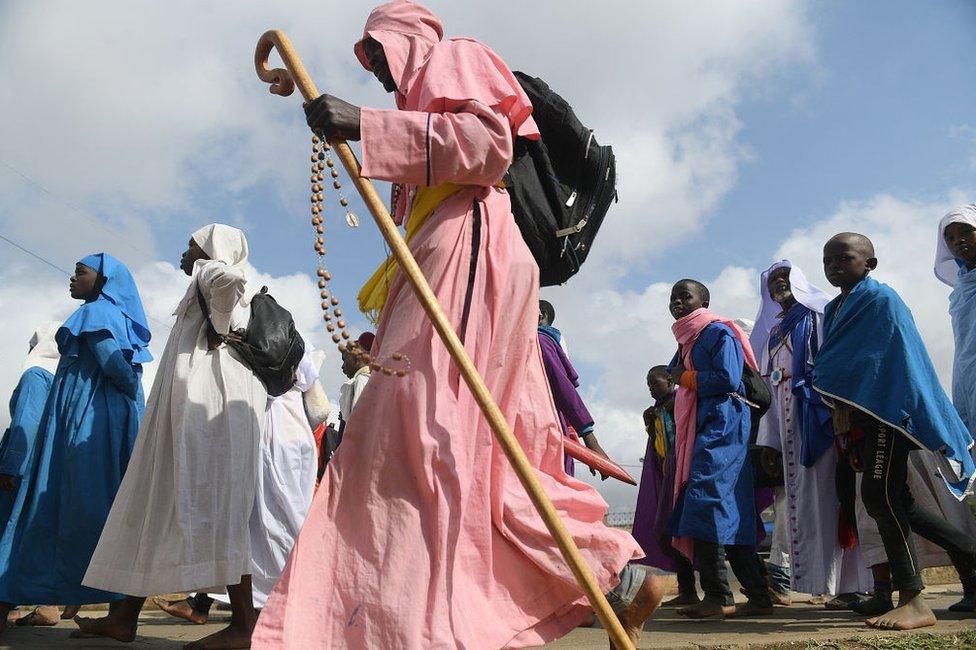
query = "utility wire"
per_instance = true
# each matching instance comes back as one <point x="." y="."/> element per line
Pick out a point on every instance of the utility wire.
<point x="73" y="207"/>
<point x="58" y="268"/>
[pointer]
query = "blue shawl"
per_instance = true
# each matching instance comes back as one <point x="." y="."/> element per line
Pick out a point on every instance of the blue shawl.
<point x="873" y="358"/>
<point x="962" y="310"/>
<point x="551" y="332"/>
<point x="815" y="426"/>
<point x="117" y="311"/>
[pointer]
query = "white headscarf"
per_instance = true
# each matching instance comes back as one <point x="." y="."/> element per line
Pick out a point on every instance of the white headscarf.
<point x="809" y="295"/>
<point x="44" y="349"/>
<point x="223" y="243"/>
<point x="946" y="266"/>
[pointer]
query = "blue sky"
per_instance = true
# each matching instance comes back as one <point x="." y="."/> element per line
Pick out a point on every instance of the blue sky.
<point x="743" y="131"/>
<point x="881" y="114"/>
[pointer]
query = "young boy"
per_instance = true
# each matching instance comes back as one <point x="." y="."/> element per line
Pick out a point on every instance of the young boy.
<point x="874" y="368"/>
<point x="715" y="510"/>
<point x="655" y="498"/>
<point x="564" y="384"/>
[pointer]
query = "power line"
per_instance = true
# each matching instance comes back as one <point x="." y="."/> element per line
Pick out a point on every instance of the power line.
<point x="73" y="207"/>
<point x="58" y="268"/>
<point x="34" y="255"/>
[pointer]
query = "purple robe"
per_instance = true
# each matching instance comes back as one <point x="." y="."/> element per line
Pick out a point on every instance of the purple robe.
<point x="563" y="382"/>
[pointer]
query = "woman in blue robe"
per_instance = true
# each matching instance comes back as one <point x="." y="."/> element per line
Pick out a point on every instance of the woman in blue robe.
<point x="83" y="444"/>
<point x="26" y="408"/>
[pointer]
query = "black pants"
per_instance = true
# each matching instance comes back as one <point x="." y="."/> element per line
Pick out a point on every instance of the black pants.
<point x="686" y="574"/>
<point x="888" y="500"/>
<point x="746" y="566"/>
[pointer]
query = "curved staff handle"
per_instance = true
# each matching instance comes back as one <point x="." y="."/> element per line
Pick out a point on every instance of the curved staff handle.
<point x="283" y="82"/>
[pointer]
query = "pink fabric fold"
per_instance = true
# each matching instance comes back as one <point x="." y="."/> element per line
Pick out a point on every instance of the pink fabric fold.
<point x="686" y="331"/>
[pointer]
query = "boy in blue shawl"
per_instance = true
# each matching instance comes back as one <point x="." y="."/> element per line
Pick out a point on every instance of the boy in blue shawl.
<point x="874" y="368"/>
<point x="83" y="442"/>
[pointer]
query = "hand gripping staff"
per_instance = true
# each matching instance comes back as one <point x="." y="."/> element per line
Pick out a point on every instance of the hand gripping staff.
<point x="283" y="83"/>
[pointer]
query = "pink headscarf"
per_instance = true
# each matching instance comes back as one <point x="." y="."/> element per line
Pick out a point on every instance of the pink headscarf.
<point x="439" y="76"/>
<point x="686" y="331"/>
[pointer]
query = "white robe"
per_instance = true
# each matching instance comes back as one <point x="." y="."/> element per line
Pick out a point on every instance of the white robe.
<point x="813" y="552"/>
<point x="285" y="483"/>
<point x="180" y="520"/>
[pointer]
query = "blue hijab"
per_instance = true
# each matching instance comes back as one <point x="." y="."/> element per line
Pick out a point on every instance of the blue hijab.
<point x="117" y="311"/>
<point x="873" y="358"/>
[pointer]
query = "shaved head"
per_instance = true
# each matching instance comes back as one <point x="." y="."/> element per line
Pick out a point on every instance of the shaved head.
<point x="854" y="240"/>
<point x="848" y="258"/>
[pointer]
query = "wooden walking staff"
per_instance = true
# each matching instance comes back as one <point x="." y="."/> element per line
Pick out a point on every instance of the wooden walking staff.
<point x="283" y="83"/>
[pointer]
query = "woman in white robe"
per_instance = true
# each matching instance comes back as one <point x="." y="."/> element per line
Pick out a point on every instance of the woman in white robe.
<point x="180" y="519"/>
<point x="286" y="482"/>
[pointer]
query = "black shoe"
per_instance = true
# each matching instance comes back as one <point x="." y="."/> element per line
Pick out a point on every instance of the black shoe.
<point x="843" y="602"/>
<point x="876" y="605"/>
<point x="967" y="604"/>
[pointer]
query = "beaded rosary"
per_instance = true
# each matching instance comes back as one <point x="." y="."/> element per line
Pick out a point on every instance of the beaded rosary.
<point x="331" y="313"/>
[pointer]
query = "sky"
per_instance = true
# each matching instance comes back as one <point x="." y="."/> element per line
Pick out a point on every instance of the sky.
<point x="744" y="133"/>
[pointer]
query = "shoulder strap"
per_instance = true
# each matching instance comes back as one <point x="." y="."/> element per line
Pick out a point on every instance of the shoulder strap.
<point x="213" y="338"/>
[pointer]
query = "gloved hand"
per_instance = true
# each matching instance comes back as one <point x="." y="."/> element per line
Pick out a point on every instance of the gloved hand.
<point x="332" y="117"/>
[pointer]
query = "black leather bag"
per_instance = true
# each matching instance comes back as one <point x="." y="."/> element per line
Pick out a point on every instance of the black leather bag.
<point x="560" y="186"/>
<point x="270" y="346"/>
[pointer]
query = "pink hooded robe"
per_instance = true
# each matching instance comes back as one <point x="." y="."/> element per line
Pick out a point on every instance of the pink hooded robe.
<point x="421" y="535"/>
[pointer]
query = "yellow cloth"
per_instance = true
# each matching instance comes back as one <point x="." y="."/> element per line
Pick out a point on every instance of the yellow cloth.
<point x="660" y="443"/>
<point x="372" y="296"/>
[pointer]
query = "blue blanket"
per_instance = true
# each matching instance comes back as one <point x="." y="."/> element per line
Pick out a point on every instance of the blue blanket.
<point x="962" y="309"/>
<point x="873" y="358"/>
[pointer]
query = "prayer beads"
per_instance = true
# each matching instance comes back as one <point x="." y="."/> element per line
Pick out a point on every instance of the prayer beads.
<point x="331" y="313"/>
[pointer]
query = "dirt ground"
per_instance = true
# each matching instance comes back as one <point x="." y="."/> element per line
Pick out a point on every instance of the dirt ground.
<point x="801" y="625"/>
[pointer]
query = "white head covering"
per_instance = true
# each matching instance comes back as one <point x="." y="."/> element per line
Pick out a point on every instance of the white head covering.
<point x="44" y="349"/>
<point x="223" y="243"/>
<point x="946" y="266"/>
<point x="809" y="295"/>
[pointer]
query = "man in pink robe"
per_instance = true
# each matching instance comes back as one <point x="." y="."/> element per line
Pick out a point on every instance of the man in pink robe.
<point x="421" y="535"/>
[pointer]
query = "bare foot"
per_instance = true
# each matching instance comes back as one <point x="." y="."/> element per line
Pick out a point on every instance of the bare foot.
<point x="43" y="616"/>
<point x="647" y="600"/>
<point x="911" y="614"/>
<point x="749" y="608"/>
<point x="181" y="609"/>
<point x="106" y="626"/>
<point x="707" y="609"/>
<point x="70" y="611"/>
<point x="682" y="599"/>
<point x="232" y="637"/>
<point x="783" y="600"/>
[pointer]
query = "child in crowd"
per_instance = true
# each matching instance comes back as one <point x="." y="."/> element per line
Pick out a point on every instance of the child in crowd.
<point x="714" y="516"/>
<point x="655" y="498"/>
<point x="564" y="385"/>
<point x="887" y="401"/>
